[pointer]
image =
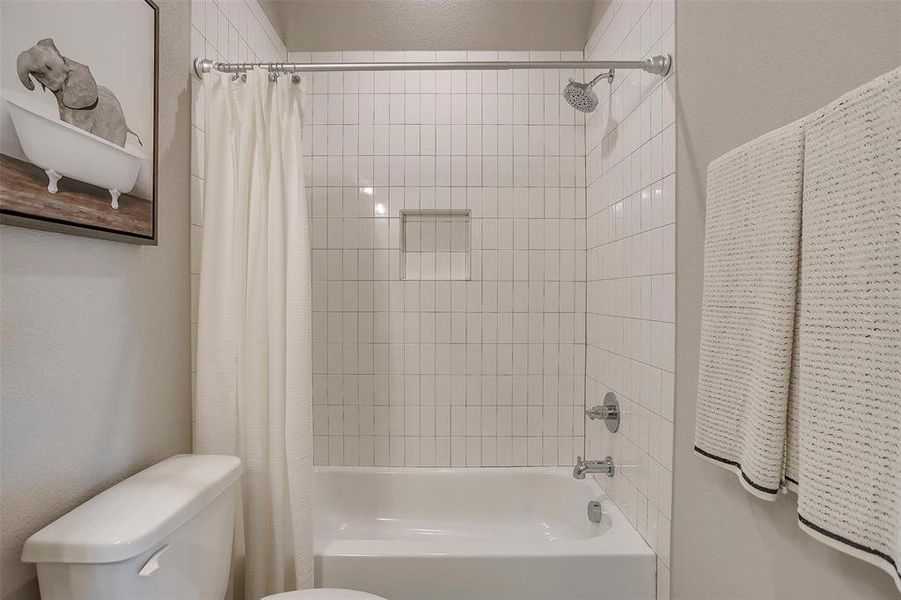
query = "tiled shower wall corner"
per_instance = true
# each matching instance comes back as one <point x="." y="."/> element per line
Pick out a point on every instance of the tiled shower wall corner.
<point x="235" y="30"/>
<point x="631" y="160"/>
<point x="483" y="372"/>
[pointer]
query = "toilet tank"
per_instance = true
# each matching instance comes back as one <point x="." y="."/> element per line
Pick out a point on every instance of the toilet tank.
<point x="162" y="534"/>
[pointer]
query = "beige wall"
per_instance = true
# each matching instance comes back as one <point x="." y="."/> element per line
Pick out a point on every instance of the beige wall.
<point x="275" y="12"/>
<point x="598" y="10"/>
<point x="96" y="352"/>
<point x="322" y="25"/>
<point x="746" y="68"/>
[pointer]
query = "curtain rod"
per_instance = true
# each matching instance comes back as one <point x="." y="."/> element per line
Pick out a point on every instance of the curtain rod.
<point x="658" y="65"/>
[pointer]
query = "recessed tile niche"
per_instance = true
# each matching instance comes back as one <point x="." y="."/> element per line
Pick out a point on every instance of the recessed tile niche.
<point x="435" y="244"/>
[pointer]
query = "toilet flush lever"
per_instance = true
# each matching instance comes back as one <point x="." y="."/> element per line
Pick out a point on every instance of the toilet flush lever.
<point x="153" y="563"/>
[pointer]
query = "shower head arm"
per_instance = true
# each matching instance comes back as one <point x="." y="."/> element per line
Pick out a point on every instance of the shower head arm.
<point x="608" y="76"/>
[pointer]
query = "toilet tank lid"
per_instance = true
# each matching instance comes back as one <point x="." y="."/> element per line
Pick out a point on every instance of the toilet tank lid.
<point x="136" y="514"/>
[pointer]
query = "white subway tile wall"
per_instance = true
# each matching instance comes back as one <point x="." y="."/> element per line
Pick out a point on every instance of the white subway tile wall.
<point x="235" y="30"/>
<point x="630" y="172"/>
<point x="485" y="372"/>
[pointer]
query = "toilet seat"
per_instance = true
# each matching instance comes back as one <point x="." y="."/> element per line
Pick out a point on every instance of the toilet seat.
<point x="324" y="594"/>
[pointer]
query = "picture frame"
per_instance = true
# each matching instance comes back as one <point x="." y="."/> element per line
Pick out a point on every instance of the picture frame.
<point x="79" y="146"/>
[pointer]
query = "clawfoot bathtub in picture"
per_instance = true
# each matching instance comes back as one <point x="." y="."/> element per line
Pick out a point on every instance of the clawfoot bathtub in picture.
<point x="64" y="150"/>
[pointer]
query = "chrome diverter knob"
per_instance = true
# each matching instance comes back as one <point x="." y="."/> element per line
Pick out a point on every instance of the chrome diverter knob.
<point x="608" y="412"/>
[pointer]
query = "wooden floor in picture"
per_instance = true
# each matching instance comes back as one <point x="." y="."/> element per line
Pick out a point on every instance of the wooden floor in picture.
<point x="23" y="191"/>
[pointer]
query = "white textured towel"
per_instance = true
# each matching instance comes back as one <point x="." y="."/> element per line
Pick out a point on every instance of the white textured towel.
<point x="800" y="384"/>
<point x="849" y="344"/>
<point x="751" y="249"/>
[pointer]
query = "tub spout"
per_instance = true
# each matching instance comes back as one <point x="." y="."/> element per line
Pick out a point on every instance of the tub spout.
<point x="592" y="466"/>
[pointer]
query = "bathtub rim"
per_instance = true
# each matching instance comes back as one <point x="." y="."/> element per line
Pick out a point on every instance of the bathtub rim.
<point x="620" y="538"/>
<point x="22" y="101"/>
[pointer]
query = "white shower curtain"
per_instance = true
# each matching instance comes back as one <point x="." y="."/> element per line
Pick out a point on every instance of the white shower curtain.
<point x="254" y="363"/>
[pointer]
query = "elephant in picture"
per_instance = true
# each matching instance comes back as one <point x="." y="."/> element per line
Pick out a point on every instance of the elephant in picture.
<point x="81" y="101"/>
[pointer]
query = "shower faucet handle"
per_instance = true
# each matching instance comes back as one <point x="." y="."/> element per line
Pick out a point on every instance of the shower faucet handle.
<point x="602" y="413"/>
<point x="608" y="412"/>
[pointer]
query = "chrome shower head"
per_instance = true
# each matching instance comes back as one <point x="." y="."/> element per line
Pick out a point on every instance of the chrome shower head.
<point x="581" y="96"/>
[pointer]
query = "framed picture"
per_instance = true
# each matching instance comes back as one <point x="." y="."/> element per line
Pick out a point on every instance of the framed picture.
<point x="78" y="117"/>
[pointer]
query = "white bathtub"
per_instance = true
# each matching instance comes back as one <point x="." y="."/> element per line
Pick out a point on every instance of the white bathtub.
<point x="474" y="534"/>
<point x="64" y="150"/>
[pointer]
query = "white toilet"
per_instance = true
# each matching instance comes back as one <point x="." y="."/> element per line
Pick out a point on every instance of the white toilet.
<point x="162" y="534"/>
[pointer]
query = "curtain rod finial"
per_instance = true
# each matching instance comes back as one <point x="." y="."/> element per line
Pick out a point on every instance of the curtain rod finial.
<point x="203" y="65"/>
<point x="659" y="65"/>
